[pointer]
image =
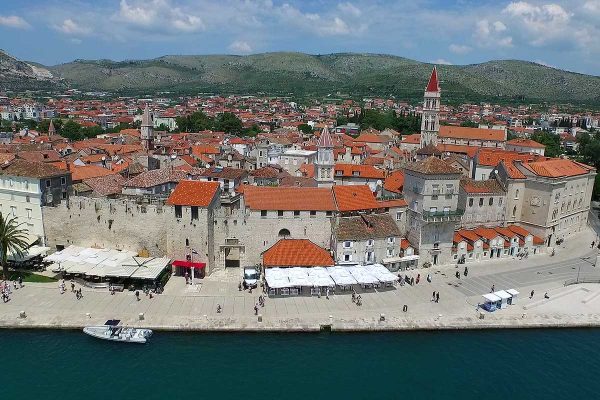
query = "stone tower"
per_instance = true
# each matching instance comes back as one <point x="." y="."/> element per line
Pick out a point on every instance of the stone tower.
<point x="325" y="162"/>
<point x="147" y="130"/>
<point x="430" y="123"/>
<point x="51" y="129"/>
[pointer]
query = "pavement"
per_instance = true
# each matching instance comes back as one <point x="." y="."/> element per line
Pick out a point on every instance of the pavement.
<point x="193" y="307"/>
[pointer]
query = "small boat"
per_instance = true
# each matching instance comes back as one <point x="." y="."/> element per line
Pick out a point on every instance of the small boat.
<point x="111" y="330"/>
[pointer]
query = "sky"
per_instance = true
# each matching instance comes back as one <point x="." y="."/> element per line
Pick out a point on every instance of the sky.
<point x="561" y="34"/>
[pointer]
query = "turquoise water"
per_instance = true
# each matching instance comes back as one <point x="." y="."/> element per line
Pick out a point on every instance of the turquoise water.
<point x="508" y="365"/>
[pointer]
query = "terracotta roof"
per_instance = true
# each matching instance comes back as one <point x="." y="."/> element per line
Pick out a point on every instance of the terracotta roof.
<point x="156" y="177"/>
<point x="556" y="168"/>
<point x="393" y="203"/>
<point x="489" y="186"/>
<point x="357" y="171"/>
<point x="297" y="181"/>
<point x="492" y="157"/>
<point x="433" y="85"/>
<point x="106" y="185"/>
<point x="461" y="132"/>
<point x="193" y="193"/>
<point x="405" y="244"/>
<point x="88" y="171"/>
<point x="432" y="166"/>
<point x="372" y="138"/>
<point x="363" y="227"/>
<point x="458" y="148"/>
<point x="525" y="143"/>
<point x="354" y="198"/>
<point x="296" y="253"/>
<point x="487" y="233"/>
<point x="429" y="150"/>
<point x="30" y="169"/>
<point x="512" y="171"/>
<point x="394" y="182"/>
<point x="289" y="198"/>
<point x="415" y="138"/>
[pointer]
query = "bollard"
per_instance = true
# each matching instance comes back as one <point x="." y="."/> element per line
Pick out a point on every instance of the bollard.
<point x="524" y="315"/>
<point x="87" y="314"/>
<point x="141" y="316"/>
<point x="382" y="317"/>
<point x="405" y="308"/>
<point x="259" y="317"/>
<point x="331" y="319"/>
<point x="22" y="314"/>
<point x="205" y="316"/>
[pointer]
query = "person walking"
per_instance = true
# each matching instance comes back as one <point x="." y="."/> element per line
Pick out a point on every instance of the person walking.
<point x="255" y="309"/>
<point x="437" y="297"/>
<point x="531" y="294"/>
<point x="493" y="289"/>
<point x="433" y="296"/>
<point x="20" y="281"/>
<point x="137" y="295"/>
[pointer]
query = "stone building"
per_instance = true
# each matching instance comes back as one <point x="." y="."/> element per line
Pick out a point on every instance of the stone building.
<point x="367" y="239"/>
<point x="430" y="121"/>
<point x="431" y="191"/>
<point x="325" y="161"/>
<point x="483" y="202"/>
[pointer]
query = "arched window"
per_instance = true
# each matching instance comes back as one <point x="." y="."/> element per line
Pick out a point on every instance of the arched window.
<point x="514" y="211"/>
<point x="491" y="201"/>
<point x="284" y="233"/>
<point x="187" y="242"/>
<point x="480" y="201"/>
<point x="471" y="202"/>
<point x="517" y="194"/>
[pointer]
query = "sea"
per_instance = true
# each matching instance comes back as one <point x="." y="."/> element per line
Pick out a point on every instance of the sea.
<point x="486" y="364"/>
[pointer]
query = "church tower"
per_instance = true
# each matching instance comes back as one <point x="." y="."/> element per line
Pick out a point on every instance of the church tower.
<point x="430" y="122"/>
<point x="51" y="129"/>
<point x="325" y="162"/>
<point x="147" y="130"/>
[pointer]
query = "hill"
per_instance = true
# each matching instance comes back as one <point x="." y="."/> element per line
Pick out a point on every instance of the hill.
<point x="344" y="73"/>
<point x="19" y="75"/>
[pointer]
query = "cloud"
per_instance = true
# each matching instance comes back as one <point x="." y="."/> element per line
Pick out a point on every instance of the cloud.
<point x="13" y="21"/>
<point x="459" y="48"/>
<point x="349" y="8"/>
<point x="331" y="25"/>
<point x="75" y="41"/>
<point x="240" y="47"/>
<point x="158" y="15"/>
<point x="541" y="24"/>
<point x="70" y="27"/>
<point x="488" y="34"/>
<point x="441" y="61"/>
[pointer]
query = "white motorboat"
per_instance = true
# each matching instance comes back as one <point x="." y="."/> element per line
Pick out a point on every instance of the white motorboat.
<point x="113" y="331"/>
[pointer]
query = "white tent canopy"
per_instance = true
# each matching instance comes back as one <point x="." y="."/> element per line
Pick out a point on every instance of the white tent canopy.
<point x="362" y="276"/>
<point x="382" y="273"/>
<point x="341" y="276"/>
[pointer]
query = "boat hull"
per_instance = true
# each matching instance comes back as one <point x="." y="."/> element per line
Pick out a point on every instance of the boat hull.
<point x="118" y="334"/>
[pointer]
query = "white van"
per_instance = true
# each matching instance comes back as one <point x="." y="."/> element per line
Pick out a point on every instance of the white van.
<point x="251" y="276"/>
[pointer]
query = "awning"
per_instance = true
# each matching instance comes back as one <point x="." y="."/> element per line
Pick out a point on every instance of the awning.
<point x="400" y="259"/>
<point x="30" y="253"/>
<point x="188" y="264"/>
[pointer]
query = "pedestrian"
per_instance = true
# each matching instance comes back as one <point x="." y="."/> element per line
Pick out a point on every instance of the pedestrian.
<point x="359" y="300"/>
<point x="429" y="278"/>
<point x="412" y="281"/>
<point x="493" y="287"/>
<point x="255" y="309"/>
<point x="72" y="286"/>
<point x="15" y="285"/>
<point x="418" y="278"/>
<point x="433" y="296"/>
<point x="20" y="281"/>
<point x="219" y="309"/>
<point x="137" y="295"/>
<point x="327" y="293"/>
<point x="353" y="296"/>
<point x="531" y="294"/>
<point x="437" y="297"/>
<point x="593" y="243"/>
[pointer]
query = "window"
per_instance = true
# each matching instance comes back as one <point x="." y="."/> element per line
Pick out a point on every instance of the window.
<point x="480" y="201"/>
<point x="263" y="213"/>
<point x="347" y="257"/>
<point x="369" y="256"/>
<point x="63" y="180"/>
<point x="194" y="213"/>
<point x="26" y="184"/>
<point x="517" y="194"/>
<point x="471" y="202"/>
<point x="514" y="213"/>
<point x="187" y="242"/>
<point x="296" y="214"/>
<point x="28" y="213"/>
<point x="347" y="244"/>
<point x="178" y="211"/>
<point x="11" y="181"/>
<point x="370" y="242"/>
<point x="390" y="252"/>
<point x="499" y="201"/>
<point x="280" y="213"/>
<point x="398" y="215"/>
<point x="28" y="199"/>
<point x="433" y="210"/>
<point x="391" y="240"/>
<point x="283" y="233"/>
<point x="328" y="213"/>
<point x="13" y="211"/>
<point x="313" y="214"/>
<point x="48" y="183"/>
<point x="491" y="202"/>
<point x="64" y="195"/>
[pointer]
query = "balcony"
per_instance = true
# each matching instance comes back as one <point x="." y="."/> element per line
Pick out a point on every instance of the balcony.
<point x="442" y="216"/>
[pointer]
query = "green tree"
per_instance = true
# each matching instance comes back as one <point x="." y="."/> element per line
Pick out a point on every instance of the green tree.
<point x="194" y="122"/>
<point x="551" y="141"/>
<point x="252" y="131"/>
<point x="228" y="123"/>
<point x="12" y="240"/>
<point x="306" y="129"/>
<point x="469" y="124"/>
<point x="71" y="130"/>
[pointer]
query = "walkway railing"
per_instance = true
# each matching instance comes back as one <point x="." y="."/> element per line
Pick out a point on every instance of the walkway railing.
<point x="576" y="281"/>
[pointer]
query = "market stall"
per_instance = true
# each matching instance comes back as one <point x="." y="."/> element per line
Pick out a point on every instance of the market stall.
<point x="491" y="302"/>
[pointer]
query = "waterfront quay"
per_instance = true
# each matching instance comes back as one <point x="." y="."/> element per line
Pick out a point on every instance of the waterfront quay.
<point x="194" y="307"/>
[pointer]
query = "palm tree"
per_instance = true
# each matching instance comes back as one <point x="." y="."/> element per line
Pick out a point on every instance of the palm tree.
<point x="12" y="240"/>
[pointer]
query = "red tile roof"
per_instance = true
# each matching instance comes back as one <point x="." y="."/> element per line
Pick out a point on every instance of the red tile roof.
<point x="556" y="168"/>
<point x="394" y="182"/>
<point x="88" y="171"/>
<point x="393" y="203"/>
<point x="354" y="198"/>
<point x="289" y="198"/>
<point x="193" y="193"/>
<point x="362" y="171"/>
<point x="525" y="143"/>
<point x="296" y="253"/>
<point x="433" y="85"/>
<point x="415" y="138"/>
<point x="461" y="132"/>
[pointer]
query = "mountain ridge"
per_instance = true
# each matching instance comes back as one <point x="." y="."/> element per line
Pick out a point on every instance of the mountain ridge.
<point x="295" y="73"/>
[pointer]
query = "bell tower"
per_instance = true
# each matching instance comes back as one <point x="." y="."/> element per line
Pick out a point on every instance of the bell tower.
<point x="147" y="130"/>
<point x="325" y="162"/>
<point x="430" y="121"/>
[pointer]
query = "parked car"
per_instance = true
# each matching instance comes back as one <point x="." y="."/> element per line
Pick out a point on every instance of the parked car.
<point x="251" y="276"/>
